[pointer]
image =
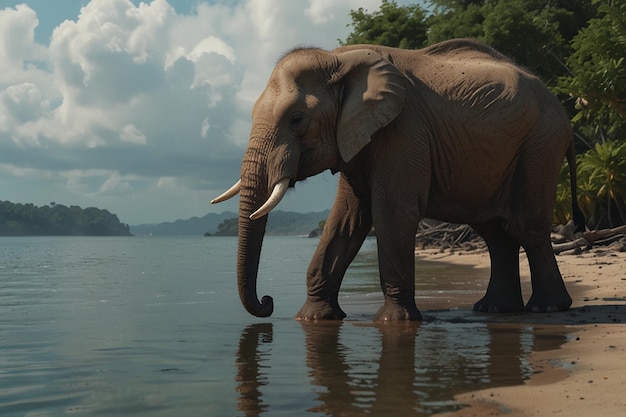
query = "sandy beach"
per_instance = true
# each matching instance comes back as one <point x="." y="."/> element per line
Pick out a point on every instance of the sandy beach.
<point x="587" y="375"/>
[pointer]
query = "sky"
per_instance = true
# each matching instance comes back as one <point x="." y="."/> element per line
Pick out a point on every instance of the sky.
<point x="144" y="108"/>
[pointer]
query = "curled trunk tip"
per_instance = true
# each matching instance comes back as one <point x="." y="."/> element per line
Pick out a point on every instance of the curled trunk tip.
<point x="263" y="309"/>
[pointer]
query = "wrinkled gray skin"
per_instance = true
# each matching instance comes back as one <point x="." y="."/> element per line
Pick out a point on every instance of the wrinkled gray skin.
<point x="454" y="132"/>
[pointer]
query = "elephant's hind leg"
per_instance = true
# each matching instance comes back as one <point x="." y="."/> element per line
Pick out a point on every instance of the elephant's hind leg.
<point x="504" y="294"/>
<point x="549" y="292"/>
<point x="537" y="182"/>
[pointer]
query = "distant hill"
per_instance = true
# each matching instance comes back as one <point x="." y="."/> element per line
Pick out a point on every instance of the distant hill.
<point x="283" y="223"/>
<point x="193" y="226"/>
<point x="58" y="220"/>
<point x="290" y="223"/>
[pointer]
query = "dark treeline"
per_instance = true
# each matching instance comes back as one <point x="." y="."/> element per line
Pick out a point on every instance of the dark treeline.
<point x="58" y="220"/>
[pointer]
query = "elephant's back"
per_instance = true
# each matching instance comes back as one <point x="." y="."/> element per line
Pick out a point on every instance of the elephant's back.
<point x="469" y="48"/>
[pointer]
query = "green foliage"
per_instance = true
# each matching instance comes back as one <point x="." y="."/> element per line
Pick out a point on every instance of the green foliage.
<point x="535" y="33"/>
<point x="601" y="182"/>
<point x="598" y="73"/>
<point x="529" y="36"/>
<point x="604" y="170"/>
<point x="392" y="25"/>
<point x="456" y="19"/>
<point x="59" y="220"/>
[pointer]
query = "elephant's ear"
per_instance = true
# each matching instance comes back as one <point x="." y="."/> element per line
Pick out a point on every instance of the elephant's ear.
<point x="374" y="93"/>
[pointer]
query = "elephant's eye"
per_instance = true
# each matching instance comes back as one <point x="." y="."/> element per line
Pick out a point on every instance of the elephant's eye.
<point x="298" y="122"/>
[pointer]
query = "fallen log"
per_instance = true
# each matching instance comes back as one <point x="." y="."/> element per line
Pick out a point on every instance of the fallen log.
<point x="610" y="240"/>
<point x="580" y="243"/>
<point x="593" y="236"/>
<point x="590" y="238"/>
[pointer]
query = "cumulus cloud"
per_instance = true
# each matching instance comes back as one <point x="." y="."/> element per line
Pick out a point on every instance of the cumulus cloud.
<point x="144" y="100"/>
<point x="23" y="103"/>
<point x="18" y="51"/>
<point x="116" y="185"/>
<point x="131" y="134"/>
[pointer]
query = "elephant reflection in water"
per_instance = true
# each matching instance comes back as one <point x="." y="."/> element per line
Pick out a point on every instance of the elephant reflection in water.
<point x="415" y="369"/>
<point x="384" y="383"/>
<point x="249" y="377"/>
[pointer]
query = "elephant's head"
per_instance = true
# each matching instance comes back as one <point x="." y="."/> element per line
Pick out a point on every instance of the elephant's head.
<point x="318" y="109"/>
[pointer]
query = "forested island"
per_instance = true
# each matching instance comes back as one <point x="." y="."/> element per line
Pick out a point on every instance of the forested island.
<point x="58" y="220"/>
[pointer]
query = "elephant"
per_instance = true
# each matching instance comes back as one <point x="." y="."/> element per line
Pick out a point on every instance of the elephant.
<point x="455" y="131"/>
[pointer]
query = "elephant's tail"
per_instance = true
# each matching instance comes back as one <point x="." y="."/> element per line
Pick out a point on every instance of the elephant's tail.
<point x="577" y="214"/>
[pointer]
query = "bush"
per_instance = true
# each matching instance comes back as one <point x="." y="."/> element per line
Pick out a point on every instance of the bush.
<point x="601" y="183"/>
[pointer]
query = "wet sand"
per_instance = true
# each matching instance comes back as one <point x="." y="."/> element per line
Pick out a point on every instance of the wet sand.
<point x="587" y="376"/>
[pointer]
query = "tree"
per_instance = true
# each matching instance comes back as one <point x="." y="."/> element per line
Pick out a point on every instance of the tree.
<point x="597" y="77"/>
<point x="535" y="33"/>
<point x="455" y="19"/>
<point x="392" y="25"/>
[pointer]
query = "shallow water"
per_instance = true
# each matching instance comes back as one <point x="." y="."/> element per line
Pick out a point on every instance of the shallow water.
<point x="153" y="326"/>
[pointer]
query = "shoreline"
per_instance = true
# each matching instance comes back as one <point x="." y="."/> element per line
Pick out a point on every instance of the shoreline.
<point x="587" y="374"/>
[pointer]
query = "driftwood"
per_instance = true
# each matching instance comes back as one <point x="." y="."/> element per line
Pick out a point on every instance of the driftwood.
<point x="449" y="236"/>
<point x="596" y="235"/>
<point x="434" y="234"/>
<point x="586" y="240"/>
<point x="578" y="245"/>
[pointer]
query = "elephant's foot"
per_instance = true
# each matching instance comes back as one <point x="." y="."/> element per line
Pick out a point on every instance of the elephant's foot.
<point x="549" y="302"/>
<point x="316" y="310"/>
<point x="492" y="303"/>
<point x="394" y="311"/>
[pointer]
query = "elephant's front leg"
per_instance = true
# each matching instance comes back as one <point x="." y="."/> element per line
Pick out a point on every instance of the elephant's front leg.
<point x="395" y="230"/>
<point x="346" y="228"/>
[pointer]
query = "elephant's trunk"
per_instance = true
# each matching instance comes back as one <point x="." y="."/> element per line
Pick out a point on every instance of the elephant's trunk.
<point x="251" y="234"/>
<point x="265" y="166"/>
<point x="253" y="193"/>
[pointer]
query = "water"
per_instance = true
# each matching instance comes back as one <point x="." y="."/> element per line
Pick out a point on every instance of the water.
<point x="153" y="327"/>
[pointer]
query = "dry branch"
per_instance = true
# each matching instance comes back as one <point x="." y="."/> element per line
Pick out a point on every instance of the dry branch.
<point x="596" y="235"/>
<point x="578" y="245"/>
<point x="434" y="234"/>
<point x="441" y="235"/>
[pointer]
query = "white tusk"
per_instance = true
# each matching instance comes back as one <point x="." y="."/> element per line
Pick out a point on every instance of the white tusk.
<point x="230" y="193"/>
<point x="277" y="194"/>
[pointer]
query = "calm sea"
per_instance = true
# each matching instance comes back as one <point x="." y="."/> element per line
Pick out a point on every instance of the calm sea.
<point x="149" y="326"/>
